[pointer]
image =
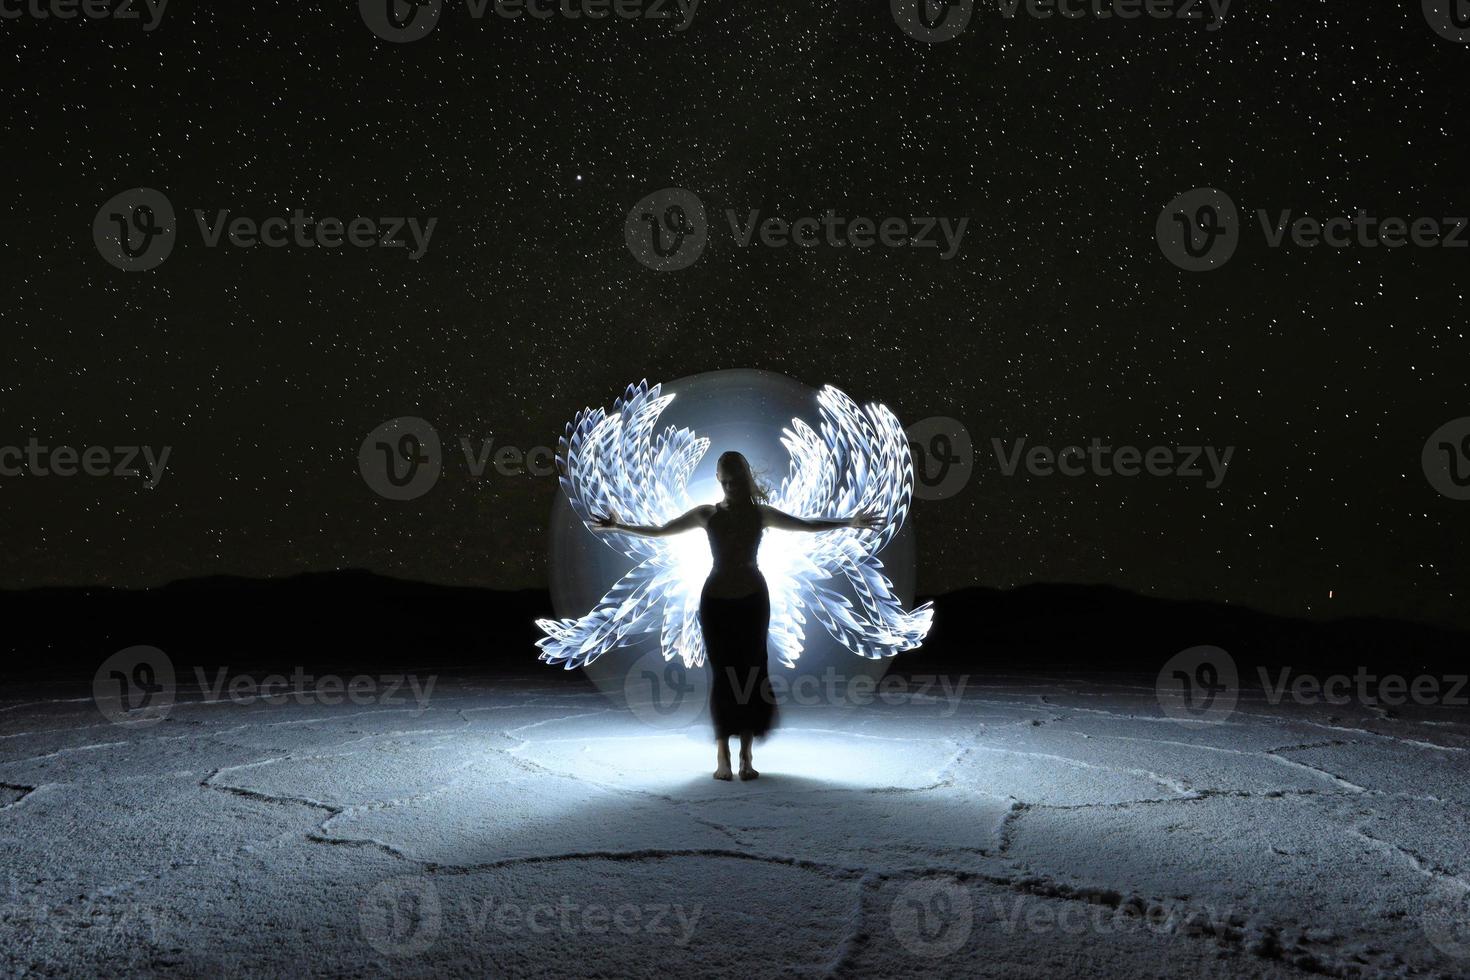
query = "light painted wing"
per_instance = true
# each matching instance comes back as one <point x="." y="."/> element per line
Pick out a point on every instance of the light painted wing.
<point x="858" y="461"/>
<point x="618" y="462"/>
<point x="630" y="609"/>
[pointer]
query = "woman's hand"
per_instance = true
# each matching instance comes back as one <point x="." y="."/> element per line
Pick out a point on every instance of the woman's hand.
<point x="866" y="521"/>
<point x="605" y="522"/>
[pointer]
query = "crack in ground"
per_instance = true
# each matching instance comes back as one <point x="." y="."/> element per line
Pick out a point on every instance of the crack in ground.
<point x="23" y="790"/>
<point x="1273" y="941"/>
<point x="1415" y="860"/>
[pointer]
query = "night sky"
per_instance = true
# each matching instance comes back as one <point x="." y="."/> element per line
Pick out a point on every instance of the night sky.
<point x="1059" y="319"/>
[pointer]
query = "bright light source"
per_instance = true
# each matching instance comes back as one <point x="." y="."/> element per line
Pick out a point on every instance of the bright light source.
<point x="856" y="461"/>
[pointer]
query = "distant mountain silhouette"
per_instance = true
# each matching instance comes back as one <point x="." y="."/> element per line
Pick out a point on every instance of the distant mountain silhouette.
<point x="1101" y="627"/>
<point x="357" y="617"/>
<point x="340" y="617"/>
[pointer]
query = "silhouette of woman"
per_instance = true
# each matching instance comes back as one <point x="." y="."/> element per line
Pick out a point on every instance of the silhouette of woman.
<point x="735" y="607"/>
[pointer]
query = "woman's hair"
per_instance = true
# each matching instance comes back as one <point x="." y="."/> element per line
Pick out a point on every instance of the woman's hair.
<point x="738" y="465"/>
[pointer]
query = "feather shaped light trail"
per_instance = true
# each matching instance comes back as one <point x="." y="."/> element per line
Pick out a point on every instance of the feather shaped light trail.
<point x="856" y="461"/>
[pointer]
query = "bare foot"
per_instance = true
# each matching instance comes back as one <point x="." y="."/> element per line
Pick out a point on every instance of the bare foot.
<point x="724" y="773"/>
<point x="747" y="773"/>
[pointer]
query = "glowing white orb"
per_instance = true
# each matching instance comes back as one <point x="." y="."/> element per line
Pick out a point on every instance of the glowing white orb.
<point x="839" y="599"/>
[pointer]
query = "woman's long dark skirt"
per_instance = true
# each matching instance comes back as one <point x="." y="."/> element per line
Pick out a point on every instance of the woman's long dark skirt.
<point x="735" y="632"/>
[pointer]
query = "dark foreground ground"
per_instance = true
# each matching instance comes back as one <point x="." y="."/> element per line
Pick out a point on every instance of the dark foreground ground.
<point x="1012" y="824"/>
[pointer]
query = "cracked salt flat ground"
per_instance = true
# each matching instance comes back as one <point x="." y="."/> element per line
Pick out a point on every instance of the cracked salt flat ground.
<point x="1038" y="828"/>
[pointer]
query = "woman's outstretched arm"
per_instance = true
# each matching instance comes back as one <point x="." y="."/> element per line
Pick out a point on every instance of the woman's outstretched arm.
<point x="786" y="522"/>
<point x="698" y="517"/>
